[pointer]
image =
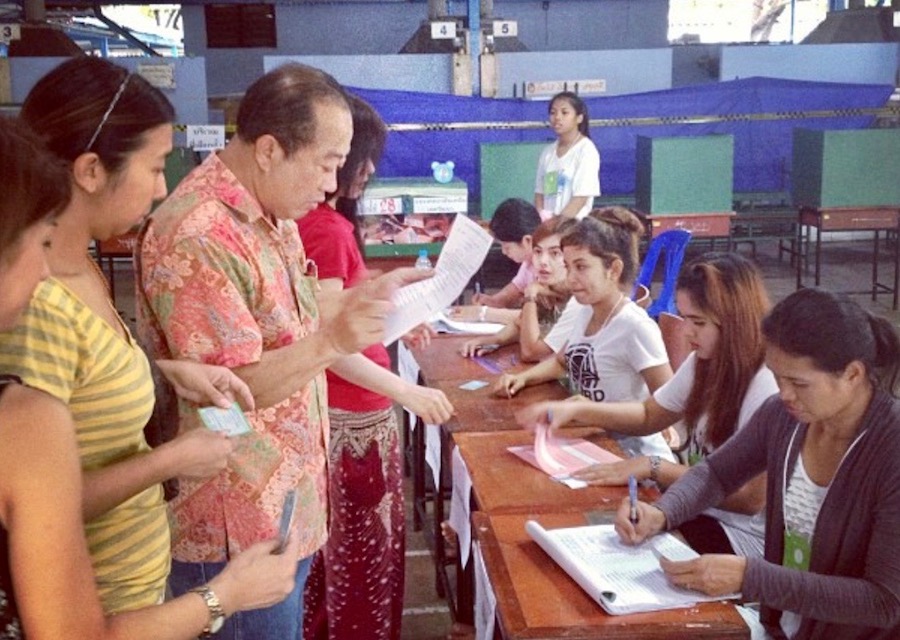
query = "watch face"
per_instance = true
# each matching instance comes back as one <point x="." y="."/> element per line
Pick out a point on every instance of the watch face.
<point x="216" y="624"/>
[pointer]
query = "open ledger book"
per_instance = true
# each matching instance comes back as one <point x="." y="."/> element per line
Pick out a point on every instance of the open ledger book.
<point x="443" y="324"/>
<point x="620" y="578"/>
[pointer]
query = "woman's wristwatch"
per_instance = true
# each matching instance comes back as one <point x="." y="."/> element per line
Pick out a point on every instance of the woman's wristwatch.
<point x="216" y="612"/>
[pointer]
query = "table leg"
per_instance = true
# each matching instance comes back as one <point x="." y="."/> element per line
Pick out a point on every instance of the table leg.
<point x="407" y="444"/>
<point x="418" y="471"/>
<point x="465" y="591"/>
<point x="896" y="264"/>
<point x="799" y="255"/>
<point x="465" y="580"/>
<point x="818" y="253"/>
<point x="440" y="553"/>
<point x="875" y="267"/>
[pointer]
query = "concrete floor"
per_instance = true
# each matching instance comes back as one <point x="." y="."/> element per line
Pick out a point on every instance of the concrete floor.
<point x="845" y="265"/>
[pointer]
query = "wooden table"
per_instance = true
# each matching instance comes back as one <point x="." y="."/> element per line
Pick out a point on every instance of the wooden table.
<point x="701" y="225"/>
<point x="442" y="367"/>
<point x="874" y="219"/>
<point x="537" y="599"/>
<point x="481" y="410"/>
<point x="438" y="363"/>
<point x="441" y="360"/>
<point x="117" y="248"/>
<point x="504" y="483"/>
<point x="476" y="411"/>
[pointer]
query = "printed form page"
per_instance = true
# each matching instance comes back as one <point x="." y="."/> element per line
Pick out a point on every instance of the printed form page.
<point x="460" y="258"/>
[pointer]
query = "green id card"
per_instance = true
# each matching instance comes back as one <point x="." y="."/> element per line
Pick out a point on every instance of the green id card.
<point x="796" y="551"/>
<point x="551" y="183"/>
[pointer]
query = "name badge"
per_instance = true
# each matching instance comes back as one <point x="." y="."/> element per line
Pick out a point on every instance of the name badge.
<point x="796" y="551"/>
<point x="551" y="183"/>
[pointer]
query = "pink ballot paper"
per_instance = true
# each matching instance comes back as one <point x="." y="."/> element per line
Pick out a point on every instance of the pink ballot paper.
<point x="559" y="458"/>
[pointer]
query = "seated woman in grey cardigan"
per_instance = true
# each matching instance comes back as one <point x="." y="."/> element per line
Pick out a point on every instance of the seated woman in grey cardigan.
<point x="830" y="442"/>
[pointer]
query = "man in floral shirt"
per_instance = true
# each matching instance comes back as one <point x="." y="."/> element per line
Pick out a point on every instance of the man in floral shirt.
<point x="224" y="280"/>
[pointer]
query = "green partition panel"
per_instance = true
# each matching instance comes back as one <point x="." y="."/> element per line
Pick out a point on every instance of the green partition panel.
<point x="848" y="168"/>
<point x="691" y="174"/>
<point x="402" y="250"/>
<point x="507" y="171"/>
<point x="179" y="163"/>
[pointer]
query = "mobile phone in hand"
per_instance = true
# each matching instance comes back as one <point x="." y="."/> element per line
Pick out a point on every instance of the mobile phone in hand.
<point x="287" y="520"/>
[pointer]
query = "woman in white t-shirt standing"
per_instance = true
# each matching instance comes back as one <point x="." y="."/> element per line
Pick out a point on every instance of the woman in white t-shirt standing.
<point x="716" y="390"/>
<point x="568" y="173"/>
<point x="615" y="351"/>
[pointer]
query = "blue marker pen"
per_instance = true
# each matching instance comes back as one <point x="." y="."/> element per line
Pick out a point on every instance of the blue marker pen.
<point x="632" y="500"/>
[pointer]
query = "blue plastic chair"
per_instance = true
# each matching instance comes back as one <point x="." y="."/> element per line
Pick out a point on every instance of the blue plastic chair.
<point x="673" y="243"/>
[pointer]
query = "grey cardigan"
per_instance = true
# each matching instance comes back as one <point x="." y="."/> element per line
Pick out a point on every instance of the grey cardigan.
<point x="852" y="588"/>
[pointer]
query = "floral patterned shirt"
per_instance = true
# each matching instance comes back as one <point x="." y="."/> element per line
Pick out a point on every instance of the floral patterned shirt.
<point x="221" y="283"/>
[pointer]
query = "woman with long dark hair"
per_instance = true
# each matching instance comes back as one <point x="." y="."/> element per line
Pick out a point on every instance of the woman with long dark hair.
<point x="47" y="583"/>
<point x="614" y="351"/>
<point x="355" y="588"/>
<point x="715" y="391"/>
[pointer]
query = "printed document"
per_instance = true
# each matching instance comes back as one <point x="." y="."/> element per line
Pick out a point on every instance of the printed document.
<point x="619" y="577"/>
<point x="460" y="258"/>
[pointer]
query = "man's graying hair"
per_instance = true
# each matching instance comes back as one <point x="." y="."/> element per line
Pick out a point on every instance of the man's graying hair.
<point x="282" y="104"/>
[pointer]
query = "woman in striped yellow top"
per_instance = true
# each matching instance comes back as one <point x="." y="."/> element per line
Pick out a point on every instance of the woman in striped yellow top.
<point x="46" y="582"/>
<point x="114" y="130"/>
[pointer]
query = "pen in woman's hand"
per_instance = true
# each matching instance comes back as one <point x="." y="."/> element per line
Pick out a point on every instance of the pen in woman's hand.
<point x="632" y="500"/>
<point x="485" y="349"/>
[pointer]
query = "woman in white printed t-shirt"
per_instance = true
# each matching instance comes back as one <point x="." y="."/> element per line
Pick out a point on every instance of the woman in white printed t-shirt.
<point x="568" y="173"/>
<point x="716" y="391"/>
<point x="615" y="351"/>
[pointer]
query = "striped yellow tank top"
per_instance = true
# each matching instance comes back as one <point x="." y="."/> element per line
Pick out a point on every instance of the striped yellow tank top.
<point x="62" y="347"/>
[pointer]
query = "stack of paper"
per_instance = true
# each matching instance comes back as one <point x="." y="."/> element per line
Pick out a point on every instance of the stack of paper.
<point x="559" y="458"/>
<point x="443" y="324"/>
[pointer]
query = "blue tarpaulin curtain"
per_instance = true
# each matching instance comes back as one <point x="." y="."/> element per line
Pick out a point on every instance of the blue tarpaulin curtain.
<point x="762" y="144"/>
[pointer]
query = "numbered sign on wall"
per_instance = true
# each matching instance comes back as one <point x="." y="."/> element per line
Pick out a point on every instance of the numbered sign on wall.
<point x="443" y="30"/>
<point x="10" y="32"/>
<point x="506" y="28"/>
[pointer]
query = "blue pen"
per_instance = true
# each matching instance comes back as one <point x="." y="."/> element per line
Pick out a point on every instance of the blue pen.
<point x="632" y="500"/>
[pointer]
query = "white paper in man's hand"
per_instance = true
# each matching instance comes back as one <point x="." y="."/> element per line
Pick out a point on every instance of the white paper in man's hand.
<point x="461" y="256"/>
